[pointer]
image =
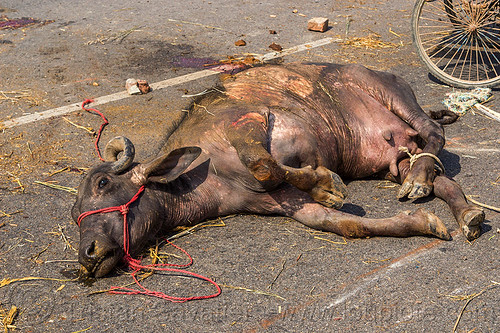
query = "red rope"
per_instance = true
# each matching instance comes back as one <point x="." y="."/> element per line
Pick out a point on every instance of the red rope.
<point x="105" y="122"/>
<point x="136" y="265"/>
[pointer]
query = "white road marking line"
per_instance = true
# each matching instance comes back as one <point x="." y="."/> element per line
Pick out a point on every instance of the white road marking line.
<point x="472" y="150"/>
<point x="368" y="281"/>
<point x="61" y="110"/>
<point x="299" y="48"/>
<point x="156" y="86"/>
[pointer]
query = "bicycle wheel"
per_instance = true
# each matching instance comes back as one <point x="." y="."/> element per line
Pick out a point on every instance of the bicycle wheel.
<point x="459" y="40"/>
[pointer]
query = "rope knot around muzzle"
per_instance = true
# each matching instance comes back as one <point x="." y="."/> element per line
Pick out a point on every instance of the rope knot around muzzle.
<point x="124" y="209"/>
<point x="137" y="266"/>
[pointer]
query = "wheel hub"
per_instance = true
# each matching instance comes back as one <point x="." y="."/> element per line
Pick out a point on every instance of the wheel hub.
<point x="473" y="27"/>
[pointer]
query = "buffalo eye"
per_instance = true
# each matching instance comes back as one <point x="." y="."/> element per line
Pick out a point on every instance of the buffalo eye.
<point x="103" y="182"/>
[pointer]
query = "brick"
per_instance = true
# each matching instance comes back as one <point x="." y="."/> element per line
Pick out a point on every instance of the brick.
<point x="317" y="24"/>
<point x="132" y="88"/>
<point x="240" y="42"/>
<point x="143" y="86"/>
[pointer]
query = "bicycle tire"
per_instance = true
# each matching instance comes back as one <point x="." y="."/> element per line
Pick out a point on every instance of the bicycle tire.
<point x="455" y="29"/>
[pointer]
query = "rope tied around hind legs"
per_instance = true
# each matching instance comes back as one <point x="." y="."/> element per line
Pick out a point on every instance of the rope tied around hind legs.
<point x="415" y="157"/>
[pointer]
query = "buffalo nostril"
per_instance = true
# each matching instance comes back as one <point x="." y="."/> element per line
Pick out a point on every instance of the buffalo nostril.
<point x="90" y="251"/>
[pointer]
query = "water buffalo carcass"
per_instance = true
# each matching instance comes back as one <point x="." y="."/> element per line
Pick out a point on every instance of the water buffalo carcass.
<point x="274" y="140"/>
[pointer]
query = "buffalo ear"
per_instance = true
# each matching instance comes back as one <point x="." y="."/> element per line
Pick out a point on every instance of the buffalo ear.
<point x="166" y="167"/>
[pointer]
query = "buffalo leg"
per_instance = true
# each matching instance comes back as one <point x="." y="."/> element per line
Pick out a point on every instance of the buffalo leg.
<point x="469" y="217"/>
<point x="398" y="97"/>
<point x="297" y="206"/>
<point x="248" y="135"/>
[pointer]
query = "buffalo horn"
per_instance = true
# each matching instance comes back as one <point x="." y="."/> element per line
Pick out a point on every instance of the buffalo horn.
<point x="118" y="145"/>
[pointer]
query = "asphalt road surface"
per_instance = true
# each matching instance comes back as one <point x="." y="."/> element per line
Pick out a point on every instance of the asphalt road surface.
<point x="276" y="274"/>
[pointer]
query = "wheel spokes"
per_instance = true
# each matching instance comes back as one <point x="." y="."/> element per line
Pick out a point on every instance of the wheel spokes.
<point x="461" y="37"/>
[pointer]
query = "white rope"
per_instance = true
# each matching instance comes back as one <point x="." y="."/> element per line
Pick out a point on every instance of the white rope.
<point x="414" y="158"/>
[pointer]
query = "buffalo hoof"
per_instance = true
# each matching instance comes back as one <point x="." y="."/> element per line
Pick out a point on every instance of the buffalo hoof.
<point x="472" y="220"/>
<point x="330" y="191"/>
<point x="432" y="225"/>
<point x="414" y="189"/>
<point x="420" y="191"/>
<point x="418" y="182"/>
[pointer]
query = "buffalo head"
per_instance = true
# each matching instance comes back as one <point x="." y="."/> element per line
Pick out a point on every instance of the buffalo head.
<point x="114" y="183"/>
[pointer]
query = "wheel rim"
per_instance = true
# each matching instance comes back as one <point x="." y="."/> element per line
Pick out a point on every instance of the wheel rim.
<point x="460" y="39"/>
